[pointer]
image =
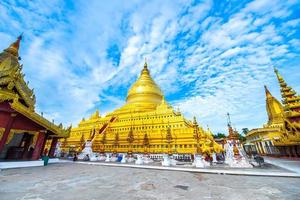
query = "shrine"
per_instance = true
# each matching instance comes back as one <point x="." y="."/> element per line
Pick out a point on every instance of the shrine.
<point x="145" y="124"/>
<point x="280" y="136"/>
<point x="23" y="132"/>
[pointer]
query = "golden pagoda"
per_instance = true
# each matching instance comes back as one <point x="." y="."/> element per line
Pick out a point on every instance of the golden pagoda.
<point x="232" y="134"/>
<point x="145" y="124"/>
<point x="281" y="135"/>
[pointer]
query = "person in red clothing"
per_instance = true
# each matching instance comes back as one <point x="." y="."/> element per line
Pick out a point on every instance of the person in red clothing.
<point x="45" y="157"/>
<point x="45" y="153"/>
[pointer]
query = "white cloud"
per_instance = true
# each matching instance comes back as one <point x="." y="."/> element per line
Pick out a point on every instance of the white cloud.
<point x="222" y="60"/>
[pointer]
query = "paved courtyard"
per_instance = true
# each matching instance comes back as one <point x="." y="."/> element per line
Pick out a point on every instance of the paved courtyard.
<point x="78" y="181"/>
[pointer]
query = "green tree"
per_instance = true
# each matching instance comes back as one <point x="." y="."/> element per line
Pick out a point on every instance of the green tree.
<point x="245" y="131"/>
<point x="242" y="138"/>
<point x="220" y="135"/>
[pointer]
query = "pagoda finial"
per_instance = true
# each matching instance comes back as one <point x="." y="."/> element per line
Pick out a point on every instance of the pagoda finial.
<point x="279" y="77"/>
<point x="145" y="64"/>
<point x="14" y="47"/>
<point x="288" y="95"/>
<point x="195" y="120"/>
<point x="228" y="119"/>
<point x="268" y="94"/>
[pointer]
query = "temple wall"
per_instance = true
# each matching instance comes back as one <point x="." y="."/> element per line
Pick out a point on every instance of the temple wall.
<point x="23" y="123"/>
<point x="17" y="138"/>
<point x="182" y="140"/>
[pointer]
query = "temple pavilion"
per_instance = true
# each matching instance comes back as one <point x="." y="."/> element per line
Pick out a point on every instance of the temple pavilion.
<point x="280" y="136"/>
<point x="23" y="132"/>
<point x="145" y="124"/>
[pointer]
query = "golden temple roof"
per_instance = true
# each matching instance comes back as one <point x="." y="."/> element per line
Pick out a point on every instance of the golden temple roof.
<point x="14" y="47"/>
<point x="11" y="77"/>
<point x="291" y="100"/>
<point x="15" y="90"/>
<point x="145" y="90"/>
<point x="283" y="126"/>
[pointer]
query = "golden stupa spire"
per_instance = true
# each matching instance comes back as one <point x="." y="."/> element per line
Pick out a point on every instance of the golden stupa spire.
<point x="145" y="64"/>
<point x="268" y="94"/>
<point x="274" y="108"/>
<point x="290" y="98"/>
<point x="277" y="73"/>
<point x="14" y="47"/>
<point x="145" y="91"/>
<point x="280" y="79"/>
<point x="231" y="133"/>
<point x="195" y="120"/>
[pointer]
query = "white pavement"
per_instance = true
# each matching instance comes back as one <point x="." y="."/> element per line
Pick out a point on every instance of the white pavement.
<point x="227" y="171"/>
<point x="71" y="181"/>
<point x="21" y="164"/>
<point x="292" y="165"/>
<point x="30" y="163"/>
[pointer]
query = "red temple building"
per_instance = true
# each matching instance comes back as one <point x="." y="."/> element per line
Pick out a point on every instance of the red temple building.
<point x="23" y="132"/>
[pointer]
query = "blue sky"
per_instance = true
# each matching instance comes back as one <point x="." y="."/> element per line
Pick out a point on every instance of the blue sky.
<point x="209" y="57"/>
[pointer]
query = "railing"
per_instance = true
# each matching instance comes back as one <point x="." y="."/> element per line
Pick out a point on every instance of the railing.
<point x="102" y="129"/>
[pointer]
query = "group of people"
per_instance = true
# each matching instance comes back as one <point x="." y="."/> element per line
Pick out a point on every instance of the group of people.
<point x="85" y="158"/>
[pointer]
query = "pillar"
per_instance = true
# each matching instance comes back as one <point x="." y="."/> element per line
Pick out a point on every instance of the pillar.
<point x="53" y="147"/>
<point x="262" y="148"/>
<point x="259" y="148"/>
<point x="7" y="130"/>
<point x="45" y="151"/>
<point x="39" y="145"/>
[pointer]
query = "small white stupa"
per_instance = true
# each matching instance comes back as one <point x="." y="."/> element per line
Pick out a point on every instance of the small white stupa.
<point x="199" y="162"/>
<point x="235" y="157"/>
<point x="87" y="150"/>
<point x="235" y="160"/>
<point x="147" y="159"/>
<point x="102" y="157"/>
<point x="124" y="159"/>
<point x="108" y="159"/>
<point x="166" y="160"/>
<point x="139" y="160"/>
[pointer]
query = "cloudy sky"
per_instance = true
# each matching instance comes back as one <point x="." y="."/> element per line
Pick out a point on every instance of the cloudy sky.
<point x="209" y="57"/>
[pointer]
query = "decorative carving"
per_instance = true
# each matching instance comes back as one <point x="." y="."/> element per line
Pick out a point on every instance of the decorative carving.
<point x="1" y="132"/>
<point x="103" y="140"/>
<point x="130" y="137"/>
<point x="18" y="131"/>
<point x="82" y="140"/>
<point x="35" y="136"/>
<point x="116" y="142"/>
<point x="6" y="95"/>
<point x="40" y="120"/>
<point x="10" y="136"/>
<point x="10" y="86"/>
<point x="169" y="136"/>
<point x="146" y="140"/>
